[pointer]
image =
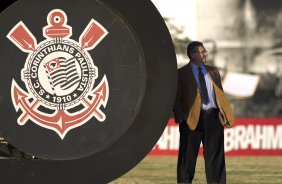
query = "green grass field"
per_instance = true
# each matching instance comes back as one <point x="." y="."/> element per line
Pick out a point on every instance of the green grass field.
<point x="240" y="170"/>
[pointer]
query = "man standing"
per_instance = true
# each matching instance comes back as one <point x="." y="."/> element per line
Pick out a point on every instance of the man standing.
<point x="199" y="100"/>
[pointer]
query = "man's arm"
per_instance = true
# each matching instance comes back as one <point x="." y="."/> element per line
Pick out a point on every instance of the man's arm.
<point x="177" y="109"/>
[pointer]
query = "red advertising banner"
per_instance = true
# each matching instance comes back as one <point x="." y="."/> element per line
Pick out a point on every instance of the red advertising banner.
<point x="249" y="137"/>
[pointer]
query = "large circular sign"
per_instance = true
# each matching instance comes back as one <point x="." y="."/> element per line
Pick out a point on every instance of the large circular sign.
<point x="88" y="80"/>
<point x="76" y="80"/>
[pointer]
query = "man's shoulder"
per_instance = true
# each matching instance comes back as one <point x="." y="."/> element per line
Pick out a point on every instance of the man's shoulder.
<point x="212" y="69"/>
<point x="209" y="67"/>
<point x="184" y="68"/>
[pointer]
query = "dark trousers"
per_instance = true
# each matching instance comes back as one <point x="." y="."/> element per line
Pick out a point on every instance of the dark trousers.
<point x="209" y="131"/>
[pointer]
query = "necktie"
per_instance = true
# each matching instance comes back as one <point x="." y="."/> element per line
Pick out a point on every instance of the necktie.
<point x="203" y="87"/>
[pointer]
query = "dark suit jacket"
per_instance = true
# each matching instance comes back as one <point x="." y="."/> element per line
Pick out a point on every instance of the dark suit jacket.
<point x="187" y="103"/>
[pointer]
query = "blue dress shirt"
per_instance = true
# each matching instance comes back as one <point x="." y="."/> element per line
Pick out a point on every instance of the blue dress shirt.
<point x="209" y="84"/>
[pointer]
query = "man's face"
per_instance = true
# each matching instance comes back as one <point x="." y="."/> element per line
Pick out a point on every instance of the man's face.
<point x="200" y="55"/>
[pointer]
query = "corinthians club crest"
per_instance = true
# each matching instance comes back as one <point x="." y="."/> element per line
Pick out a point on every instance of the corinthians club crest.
<point x="59" y="75"/>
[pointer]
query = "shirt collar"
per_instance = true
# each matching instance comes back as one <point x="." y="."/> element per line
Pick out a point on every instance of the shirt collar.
<point x="196" y="67"/>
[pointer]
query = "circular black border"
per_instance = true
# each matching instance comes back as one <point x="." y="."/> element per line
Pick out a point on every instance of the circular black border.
<point x="154" y="39"/>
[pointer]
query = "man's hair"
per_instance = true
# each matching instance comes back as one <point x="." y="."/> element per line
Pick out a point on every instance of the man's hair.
<point x="192" y="46"/>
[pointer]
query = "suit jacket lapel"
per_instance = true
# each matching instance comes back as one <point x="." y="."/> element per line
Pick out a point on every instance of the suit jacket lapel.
<point x="190" y="75"/>
<point x="194" y="113"/>
<point x="211" y="73"/>
<point x="221" y="99"/>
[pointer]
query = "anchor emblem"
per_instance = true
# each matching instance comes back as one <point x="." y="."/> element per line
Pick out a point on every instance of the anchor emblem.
<point x="59" y="75"/>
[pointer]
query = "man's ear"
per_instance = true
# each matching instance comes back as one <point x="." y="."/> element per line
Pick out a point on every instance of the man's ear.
<point x="192" y="55"/>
